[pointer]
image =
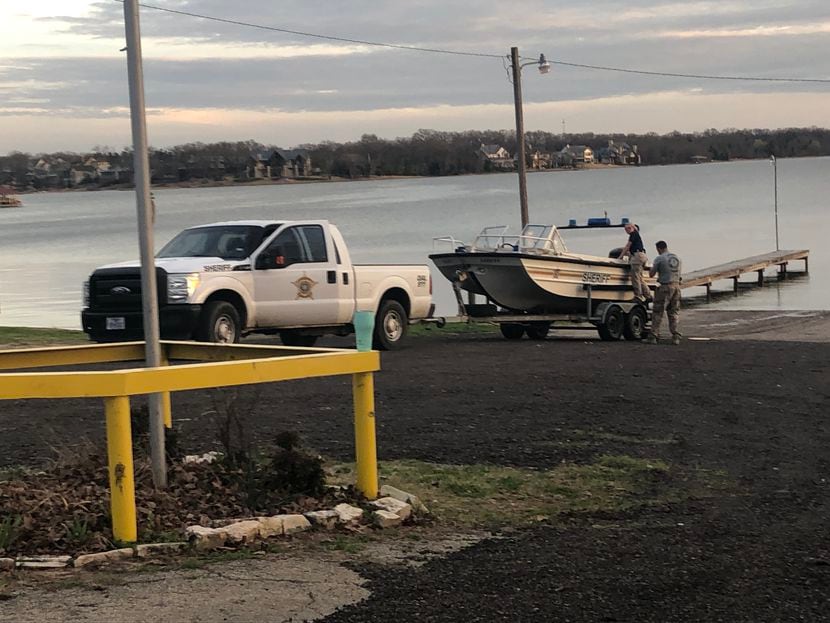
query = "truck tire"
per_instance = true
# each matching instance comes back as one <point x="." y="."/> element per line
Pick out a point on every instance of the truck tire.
<point x="537" y="330"/>
<point x="219" y="323"/>
<point x="635" y="324"/>
<point x="512" y="331"/>
<point x="391" y="325"/>
<point x="295" y="338"/>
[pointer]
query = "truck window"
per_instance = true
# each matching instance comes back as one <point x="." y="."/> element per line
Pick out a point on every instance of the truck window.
<point x="315" y="241"/>
<point x="230" y="242"/>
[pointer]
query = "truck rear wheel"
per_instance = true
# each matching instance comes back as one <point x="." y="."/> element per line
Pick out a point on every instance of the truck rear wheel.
<point x="391" y="324"/>
<point x="219" y="323"/>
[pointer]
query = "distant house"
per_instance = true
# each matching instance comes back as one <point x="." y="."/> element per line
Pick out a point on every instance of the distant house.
<point x="540" y="160"/>
<point x="575" y="155"/>
<point x="280" y="163"/>
<point x="497" y="157"/>
<point x="290" y="163"/>
<point x="700" y="159"/>
<point x="618" y="153"/>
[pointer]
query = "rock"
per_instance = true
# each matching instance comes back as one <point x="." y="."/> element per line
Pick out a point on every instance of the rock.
<point x="413" y="500"/>
<point x="200" y="459"/>
<point x="43" y="562"/>
<point x="385" y="519"/>
<point x="149" y="550"/>
<point x="271" y="526"/>
<point x="323" y="519"/>
<point x="401" y="509"/>
<point x="104" y="557"/>
<point x="348" y="514"/>
<point x="7" y="564"/>
<point x="241" y="532"/>
<point x="294" y="523"/>
<point x="205" y="538"/>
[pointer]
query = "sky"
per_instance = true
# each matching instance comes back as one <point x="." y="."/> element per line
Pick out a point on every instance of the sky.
<point x="63" y="76"/>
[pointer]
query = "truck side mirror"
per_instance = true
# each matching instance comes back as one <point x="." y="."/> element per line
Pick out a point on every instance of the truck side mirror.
<point x="272" y="258"/>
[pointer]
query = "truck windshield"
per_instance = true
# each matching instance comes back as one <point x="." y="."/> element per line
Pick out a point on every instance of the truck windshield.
<point x="230" y="242"/>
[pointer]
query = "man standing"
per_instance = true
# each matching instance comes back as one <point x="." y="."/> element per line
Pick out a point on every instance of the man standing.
<point x="667" y="267"/>
<point x="636" y="261"/>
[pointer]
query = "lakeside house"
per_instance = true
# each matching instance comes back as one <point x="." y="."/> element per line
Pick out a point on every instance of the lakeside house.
<point x="495" y="157"/>
<point x="575" y="155"/>
<point x="619" y="153"/>
<point x="280" y="164"/>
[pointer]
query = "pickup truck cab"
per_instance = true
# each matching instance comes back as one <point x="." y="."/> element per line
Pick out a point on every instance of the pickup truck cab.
<point x="221" y="281"/>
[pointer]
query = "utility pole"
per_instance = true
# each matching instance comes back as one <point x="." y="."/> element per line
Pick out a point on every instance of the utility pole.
<point x="520" y="133"/>
<point x="149" y="293"/>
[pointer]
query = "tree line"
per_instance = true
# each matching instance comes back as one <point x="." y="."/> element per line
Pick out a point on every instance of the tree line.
<point x="428" y="153"/>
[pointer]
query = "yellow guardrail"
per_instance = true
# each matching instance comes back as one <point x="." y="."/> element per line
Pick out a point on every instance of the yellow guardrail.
<point x="218" y="365"/>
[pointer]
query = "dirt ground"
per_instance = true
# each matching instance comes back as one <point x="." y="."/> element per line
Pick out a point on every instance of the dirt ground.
<point x="748" y="400"/>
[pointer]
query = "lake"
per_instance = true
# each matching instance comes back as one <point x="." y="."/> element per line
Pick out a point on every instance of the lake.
<point x="708" y="213"/>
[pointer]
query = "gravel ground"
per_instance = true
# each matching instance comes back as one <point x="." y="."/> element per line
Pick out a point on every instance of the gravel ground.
<point x="756" y="410"/>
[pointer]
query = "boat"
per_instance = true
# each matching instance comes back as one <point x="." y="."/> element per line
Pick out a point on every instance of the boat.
<point x="7" y="198"/>
<point x="534" y="272"/>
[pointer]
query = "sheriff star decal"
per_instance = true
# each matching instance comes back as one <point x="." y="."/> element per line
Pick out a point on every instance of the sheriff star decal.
<point x="305" y="286"/>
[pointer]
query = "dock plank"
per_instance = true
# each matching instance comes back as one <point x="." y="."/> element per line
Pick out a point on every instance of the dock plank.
<point x="736" y="268"/>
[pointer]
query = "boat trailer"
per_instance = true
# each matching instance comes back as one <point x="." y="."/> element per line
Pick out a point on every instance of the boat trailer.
<point x="613" y="320"/>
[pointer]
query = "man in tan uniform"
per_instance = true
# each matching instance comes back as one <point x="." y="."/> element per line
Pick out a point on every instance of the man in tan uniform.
<point x="636" y="261"/>
<point x="667" y="268"/>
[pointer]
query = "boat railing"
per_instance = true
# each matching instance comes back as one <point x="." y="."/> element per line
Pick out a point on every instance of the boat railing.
<point x="450" y="240"/>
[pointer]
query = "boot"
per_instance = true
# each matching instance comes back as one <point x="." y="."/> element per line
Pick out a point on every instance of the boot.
<point x="675" y="339"/>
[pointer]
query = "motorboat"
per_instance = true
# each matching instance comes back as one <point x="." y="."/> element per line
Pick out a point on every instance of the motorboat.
<point x="534" y="272"/>
<point x="7" y="199"/>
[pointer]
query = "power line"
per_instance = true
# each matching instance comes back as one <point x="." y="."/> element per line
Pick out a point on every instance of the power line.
<point x="315" y="35"/>
<point x="477" y="54"/>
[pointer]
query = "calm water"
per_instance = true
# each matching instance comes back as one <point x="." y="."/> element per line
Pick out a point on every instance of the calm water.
<point x="708" y="213"/>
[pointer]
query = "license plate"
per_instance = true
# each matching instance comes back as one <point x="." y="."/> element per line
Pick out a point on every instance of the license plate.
<point x="115" y="324"/>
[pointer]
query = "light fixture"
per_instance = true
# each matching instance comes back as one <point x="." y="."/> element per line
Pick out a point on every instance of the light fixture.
<point x="544" y="65"/>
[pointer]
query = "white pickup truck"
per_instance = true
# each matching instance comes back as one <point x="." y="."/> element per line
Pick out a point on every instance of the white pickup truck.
<point x="221" y="281"/>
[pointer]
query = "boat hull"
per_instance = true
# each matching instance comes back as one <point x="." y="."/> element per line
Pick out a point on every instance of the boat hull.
<point x="538" y="284"/>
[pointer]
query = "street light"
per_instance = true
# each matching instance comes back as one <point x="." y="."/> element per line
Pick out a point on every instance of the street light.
<point x="544" y="67"/>
<point x="775" y="187"/>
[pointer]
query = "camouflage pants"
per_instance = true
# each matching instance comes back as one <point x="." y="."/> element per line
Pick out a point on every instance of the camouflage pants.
<point x="636" y="262"/>
<point x="666" y="300"/>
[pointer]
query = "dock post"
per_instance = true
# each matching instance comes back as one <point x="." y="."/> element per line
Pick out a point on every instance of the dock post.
<point x="761" y="277"/>
<point x="782" y="270"/>
<point x="121" y="472"/>
<point x="735" y="284"/>
<point x="708" y="292"/>
<point x="366" y="454"/>
<point x="806" y="265"/>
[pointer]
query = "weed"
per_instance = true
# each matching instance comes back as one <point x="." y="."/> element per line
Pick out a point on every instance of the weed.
<point x="77" y="530"/>
<point x="348" y="545"/>
<point x="9" y="530"/>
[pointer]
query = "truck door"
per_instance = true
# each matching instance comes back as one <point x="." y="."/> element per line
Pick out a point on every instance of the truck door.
<point x="295" y="282"/>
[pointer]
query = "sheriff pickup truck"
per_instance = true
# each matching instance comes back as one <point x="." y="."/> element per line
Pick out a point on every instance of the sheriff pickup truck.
<point x="221" y="281"/>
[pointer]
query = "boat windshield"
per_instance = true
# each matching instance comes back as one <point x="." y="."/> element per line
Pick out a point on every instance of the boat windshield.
<point x="494" y="239"/>
<point x="544" y="239"/>
<point x="230" y="242"/>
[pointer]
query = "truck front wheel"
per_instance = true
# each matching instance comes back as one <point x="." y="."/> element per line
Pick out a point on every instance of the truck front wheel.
<point x="391" y="324"/>
<point x="219" y="323"/>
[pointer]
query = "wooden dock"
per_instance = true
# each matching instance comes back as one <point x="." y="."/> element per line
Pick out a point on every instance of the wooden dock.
<point x="735" y="269"/>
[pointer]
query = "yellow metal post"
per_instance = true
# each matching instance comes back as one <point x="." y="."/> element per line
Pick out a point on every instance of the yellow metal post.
<point x="166" y="408"/>
<point x="122" y="483"/>
<point x="363" y="389"/>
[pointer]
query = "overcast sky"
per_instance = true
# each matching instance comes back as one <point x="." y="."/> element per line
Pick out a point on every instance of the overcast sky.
<point x="63" y="81"/>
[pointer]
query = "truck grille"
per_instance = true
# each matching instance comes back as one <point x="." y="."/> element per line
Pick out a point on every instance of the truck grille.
<point x="119" y="289"/>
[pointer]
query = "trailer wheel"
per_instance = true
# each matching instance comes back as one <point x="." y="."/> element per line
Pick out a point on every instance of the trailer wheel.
<point x="537" y="330"/>
<point x="219" y="323"/>
<point x="295" y="338"/>
<point x="391" y="324"/>
<point x="635" y="324"/>
<point x="512" y="331"/>
<point x="612" y="328"/>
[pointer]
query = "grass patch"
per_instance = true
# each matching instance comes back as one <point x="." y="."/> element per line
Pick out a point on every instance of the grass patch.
<point x="24" y="336"/>
<point x="489" y="496"/>
<point x="452" y="329"/>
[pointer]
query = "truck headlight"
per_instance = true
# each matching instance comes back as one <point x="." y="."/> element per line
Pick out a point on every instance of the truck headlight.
<point x="86" y="294"/>
<point x="181" y="287"/>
